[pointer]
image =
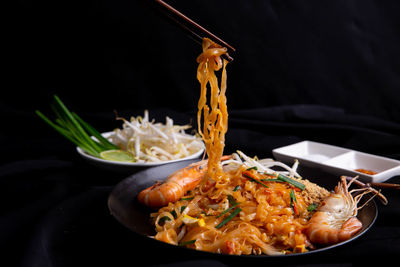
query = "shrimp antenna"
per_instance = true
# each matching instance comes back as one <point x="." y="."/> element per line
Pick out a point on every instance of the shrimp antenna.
<point x="363" y="191"/>
<point x="358" y="198"/>
<point x="381" y="197"/>
<point x="351" y="181"/>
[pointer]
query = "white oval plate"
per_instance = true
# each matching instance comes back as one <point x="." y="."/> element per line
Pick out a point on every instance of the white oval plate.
<point x="128" y="166"/>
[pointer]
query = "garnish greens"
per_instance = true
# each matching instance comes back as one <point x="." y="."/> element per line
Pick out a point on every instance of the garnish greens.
<point x="164" y="219"/>
<point x="312" y="207"/>
<point x="228" y="218"/>
<point x="236" y="188"/>
<point x="293" y="202"/>
<point x="248" y="175"/>
<point x="76" y="130"/>
<point x="279" y="178"/>
<point x="227" y="210"/>
<point x="233" y="203"/>
<point x="291" y="181"/>
<point x="187" y="198"/>
<point x="187" y="242"/>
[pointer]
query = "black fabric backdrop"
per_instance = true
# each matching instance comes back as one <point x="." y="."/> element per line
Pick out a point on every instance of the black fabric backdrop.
<point x="327" y="71"/>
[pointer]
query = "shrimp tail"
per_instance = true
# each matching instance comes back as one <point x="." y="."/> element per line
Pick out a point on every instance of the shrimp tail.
<point x="323" y="234"/>
<point x="349" y="228"/>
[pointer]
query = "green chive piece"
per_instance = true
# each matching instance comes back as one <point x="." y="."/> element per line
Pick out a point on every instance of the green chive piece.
<point x="173" y="213"/>
<point x="228" y="210"/>
<point x="252" y="168"/>
<point x="291" y="181"/>
<point x="231" y="200"/>
<point x="95" y="133"/>
<point x="187" y="198"/>
<point x="271" y="180"/>
<point x="292" y="196"/>
<point x="254" y="180"/>
<point x="183" y="208"/>
<point x="164" y="219"/>
<point x="187" y="242"/>
<point x="236" y="188"/>
<point x="293" y="202"/>
<point x="76" y="130"/>
<point x="75" y="123"/>
<point x="312" y="207"/>
<point x="230" y="217"/>
<point x="67" y="134"/>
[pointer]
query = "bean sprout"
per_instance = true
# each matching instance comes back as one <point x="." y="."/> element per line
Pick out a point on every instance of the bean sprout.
<point x="263" y="165"/>
<point x="149" y="141"/>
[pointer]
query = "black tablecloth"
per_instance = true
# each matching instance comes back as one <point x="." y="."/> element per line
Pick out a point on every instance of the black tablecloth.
<point x="54" y="205"/>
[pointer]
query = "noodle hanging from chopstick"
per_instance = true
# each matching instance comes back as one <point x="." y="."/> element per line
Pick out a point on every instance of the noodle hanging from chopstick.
<point x="214" y="115"/>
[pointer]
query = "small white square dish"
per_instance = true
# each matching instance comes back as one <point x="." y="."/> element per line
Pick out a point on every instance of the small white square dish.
<point x="339" y="161"/>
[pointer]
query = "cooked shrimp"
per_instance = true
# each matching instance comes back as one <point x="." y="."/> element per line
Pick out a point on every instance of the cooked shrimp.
<point x="175" y="186"/>
<point x="335" y="220"/>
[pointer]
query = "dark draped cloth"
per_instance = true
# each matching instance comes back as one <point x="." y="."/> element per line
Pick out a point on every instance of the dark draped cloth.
<point x="325" y="71"/>
<point x="55" y="213"/>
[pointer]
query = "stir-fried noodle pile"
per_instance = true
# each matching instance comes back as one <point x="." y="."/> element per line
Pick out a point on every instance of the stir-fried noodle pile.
<point x="267" y="217"/>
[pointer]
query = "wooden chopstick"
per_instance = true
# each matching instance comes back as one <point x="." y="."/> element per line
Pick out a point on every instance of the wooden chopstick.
<point x="384" y="185"/>
<point x="376" y="185"/>
<point x="195" y="30"/>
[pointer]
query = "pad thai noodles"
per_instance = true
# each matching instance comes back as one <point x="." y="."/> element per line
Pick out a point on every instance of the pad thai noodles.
<point x="237" y="204"/>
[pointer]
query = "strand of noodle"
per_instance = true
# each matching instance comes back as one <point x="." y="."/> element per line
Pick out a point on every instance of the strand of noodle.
<point x="161" y="215"/>
<point x="239" y="233"/>
<point x="181" y="233"/>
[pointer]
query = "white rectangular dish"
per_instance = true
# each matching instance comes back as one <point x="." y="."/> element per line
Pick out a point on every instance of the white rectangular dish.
<point x="339" y="160"/>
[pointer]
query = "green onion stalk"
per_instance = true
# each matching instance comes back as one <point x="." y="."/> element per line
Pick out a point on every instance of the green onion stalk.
<point x="76" y="130"/>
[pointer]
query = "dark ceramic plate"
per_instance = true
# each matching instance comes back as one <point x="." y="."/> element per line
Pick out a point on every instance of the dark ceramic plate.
<point x="124" y="206"/>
